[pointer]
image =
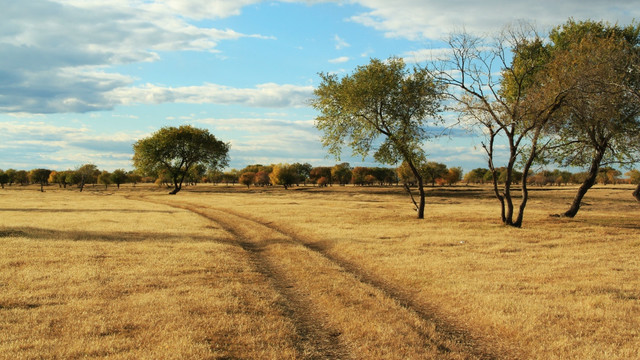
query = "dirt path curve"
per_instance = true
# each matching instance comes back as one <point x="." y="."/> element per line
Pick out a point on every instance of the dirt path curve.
<point x="339" y="311"/>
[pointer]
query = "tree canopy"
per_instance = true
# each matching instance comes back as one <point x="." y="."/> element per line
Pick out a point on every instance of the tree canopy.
<point x="381" y="108"/>
<point x="176" y="150"/>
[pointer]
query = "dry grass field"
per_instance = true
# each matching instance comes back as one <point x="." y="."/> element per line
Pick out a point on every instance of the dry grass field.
<point x="221" y="272"/>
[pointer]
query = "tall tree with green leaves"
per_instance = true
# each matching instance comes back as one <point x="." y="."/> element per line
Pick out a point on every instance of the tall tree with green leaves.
<point x="600" y="126"/>
<point x="382" y="108"/>
<point x="176" y="150"/>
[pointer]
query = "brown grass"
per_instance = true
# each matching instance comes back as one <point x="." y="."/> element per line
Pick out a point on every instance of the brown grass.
<point x="266" y="273"/>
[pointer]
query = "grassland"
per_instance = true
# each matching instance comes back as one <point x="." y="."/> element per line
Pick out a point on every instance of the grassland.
<point x="341" y="272"/>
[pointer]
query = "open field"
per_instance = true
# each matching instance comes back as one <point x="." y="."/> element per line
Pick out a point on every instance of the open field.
<point x="308" y="273"/>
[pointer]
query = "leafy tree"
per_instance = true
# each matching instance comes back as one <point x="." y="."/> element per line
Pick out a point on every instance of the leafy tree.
<point x="634" y="178"/>
<point x="341" y="173"/>
<point x="322" y="181"/>
<point x="214" y="176"/>
<point x="230" y="176"/>
<point x="453" y="175"/>
<point x="601" y="125"/>
<point x="86" y="174"/>
<point x="105" y="179"/>
<point x="382" y="108"/>
<point x="262" y="178"/>
<point x="11" y="175"/>
<point x="359" y="174"/>
<point x="21" y="177"/>
<point x="247" y="178"/>
<point x="518" y="105"/>
<point x="283" y="174"/>
<point x="119" y="176"/>
<point x="303" y="171"/>
<point x="384" y="175"/>
<point x="406" y="175"/>
<point x="4" y="178"/>
<point x="320" y="172"/>
<point x="54" y="178"/>
<point x="433" y="171"/>
<point x="476" y="176"/>
<point x="196" y="174"/>
<point x="177" y="150"/>
<point x="40" y="176"/>
<point x="608" y="175"/>
<point x="132" y="177"/>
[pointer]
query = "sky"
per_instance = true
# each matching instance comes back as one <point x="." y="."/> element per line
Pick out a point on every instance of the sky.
<point x="82" y="80"/>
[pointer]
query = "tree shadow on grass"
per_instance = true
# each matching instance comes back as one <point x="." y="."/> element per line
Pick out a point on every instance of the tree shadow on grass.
<point x="35" y="233"/>
<point x="45" y="210"/>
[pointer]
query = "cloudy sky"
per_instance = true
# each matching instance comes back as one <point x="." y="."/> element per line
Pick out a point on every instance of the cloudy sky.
<point x="82" y="80"/>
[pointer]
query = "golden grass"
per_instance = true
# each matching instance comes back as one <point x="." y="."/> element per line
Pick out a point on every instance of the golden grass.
<point x="106" y="276"/>
<point x="94" y="276"/>
<point x="557" y="289"/>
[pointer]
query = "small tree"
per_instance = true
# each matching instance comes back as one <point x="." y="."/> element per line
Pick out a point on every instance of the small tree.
<point x="119" y="176"/>
<point x="4" y="178"/>
<point x="341" y="173"/>
<point x="247" y="178"/>
<point x="40" y="176"/>
<point x="262" y="178"/>
<point x="453" y="176"/>
<point x="320" y="172"/>
<point x="86" y="174"/>
<point x="433" y="171"/>
<point x="283" y="174"/>
<point x="105" y="179"/>
<point x="177" y="150"/>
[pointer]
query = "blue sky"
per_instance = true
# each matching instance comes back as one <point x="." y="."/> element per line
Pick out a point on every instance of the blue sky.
<point x="82" y="80"/>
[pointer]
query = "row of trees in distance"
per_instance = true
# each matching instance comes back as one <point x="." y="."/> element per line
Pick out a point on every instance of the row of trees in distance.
<point x="434" y="173"/>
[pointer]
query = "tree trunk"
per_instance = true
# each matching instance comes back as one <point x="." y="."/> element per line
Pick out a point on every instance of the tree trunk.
<point x="636" y="193"/>
<point x="422" y="200"/>
<point x="175" y="190"/>
<point x="586" y="185"/>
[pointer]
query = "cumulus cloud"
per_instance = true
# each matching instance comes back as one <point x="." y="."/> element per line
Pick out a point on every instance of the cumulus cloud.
<point x="60" y="51"/>
<point x="263" y="95"/>
<point x="339" y="60"/>
<point x="29" y="144"/>
<point x="433" y="19"/>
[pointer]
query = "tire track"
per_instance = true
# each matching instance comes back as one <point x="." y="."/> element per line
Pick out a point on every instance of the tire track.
<point x="320" y="338"/>
<point x="314" y="342"/>
<point x="461" y="337"/>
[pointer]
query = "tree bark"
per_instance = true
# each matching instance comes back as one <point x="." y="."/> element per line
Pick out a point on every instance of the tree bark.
<point x="586" y="185"/>
<point x="636" y="193"/>
<point x="418" y="177"/>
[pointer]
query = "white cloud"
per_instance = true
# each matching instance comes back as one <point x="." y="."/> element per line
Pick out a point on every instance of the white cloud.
<point x="31" y="144"/>
<point x="340" y="43"/>
<point x="339" y="60"/>
<point x="433" y="19"/>
<point x="263" y="95"/>
<point x="59" y="51"/>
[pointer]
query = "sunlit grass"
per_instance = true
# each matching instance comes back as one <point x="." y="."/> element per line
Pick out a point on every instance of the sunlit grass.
<point x="558" y="288"/>
<point x="94" y="275"/>
<point x="91" y="276"/>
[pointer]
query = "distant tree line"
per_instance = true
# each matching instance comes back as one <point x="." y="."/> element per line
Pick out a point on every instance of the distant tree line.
<point x="87" y="174"/>
<point x="305" y="174"/>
